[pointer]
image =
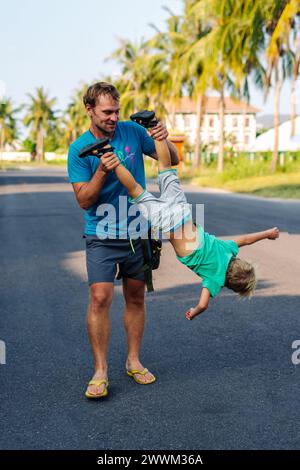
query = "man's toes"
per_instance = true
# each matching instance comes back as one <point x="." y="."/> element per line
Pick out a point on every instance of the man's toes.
<point x="148" y="377"/>
<point x="100" y="389"/>
<point x="94" y="390"/>
<point x="141" y="378"/>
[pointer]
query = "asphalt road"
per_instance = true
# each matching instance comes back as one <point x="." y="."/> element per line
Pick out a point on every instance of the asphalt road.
<point x="225" y="380"/>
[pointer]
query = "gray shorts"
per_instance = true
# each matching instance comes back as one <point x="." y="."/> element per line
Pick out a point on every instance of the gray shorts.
<point x="103" y="257"/>
<point x="169" y="211"/>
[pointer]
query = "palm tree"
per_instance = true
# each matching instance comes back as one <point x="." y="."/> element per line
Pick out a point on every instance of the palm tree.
<point x="182" y="66"/>
<point x="133" y="82"/>
<point x="8" y="123"/>
<point x="295" y="51"/>
<point x="39" y="117"/>
<point x="75" y="120"/>
<point x="195" y="29"/>
<point x="237" y="39"/>
<point x="243" y="31"/>
<point x="278" y="16"/>
<point x="296" y="69"/>
<point x="261" y="32"/>
<point x="170" y="46"/>
<point x="151" y="73"/>
<point x="212" y="49"/>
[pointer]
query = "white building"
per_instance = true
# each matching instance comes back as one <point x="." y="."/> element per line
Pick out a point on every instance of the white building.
<point x="240" y="122"/>
<point x="265" y="142"/>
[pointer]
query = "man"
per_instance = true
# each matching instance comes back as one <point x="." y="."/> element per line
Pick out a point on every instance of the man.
<point x="95" y="184"/>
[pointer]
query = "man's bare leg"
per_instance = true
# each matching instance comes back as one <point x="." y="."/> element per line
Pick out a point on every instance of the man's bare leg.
<point x="134" y="321"/>
<point x="98" y="326"/>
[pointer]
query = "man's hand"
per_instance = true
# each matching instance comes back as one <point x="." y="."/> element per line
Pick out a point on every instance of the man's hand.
<point x="159" y="132"/>
<point x="108" y="162"/>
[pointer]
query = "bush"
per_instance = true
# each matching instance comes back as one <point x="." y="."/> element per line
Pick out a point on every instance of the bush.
<point x="236" y="166"/>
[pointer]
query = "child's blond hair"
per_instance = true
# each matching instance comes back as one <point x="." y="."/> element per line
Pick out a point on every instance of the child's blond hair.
<point x="241" y="277"/>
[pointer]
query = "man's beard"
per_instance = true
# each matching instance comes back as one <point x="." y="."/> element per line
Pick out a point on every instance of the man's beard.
<point x="104" y="131"/>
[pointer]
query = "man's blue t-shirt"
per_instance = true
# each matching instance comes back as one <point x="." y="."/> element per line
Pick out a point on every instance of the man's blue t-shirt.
<point x="130" y="141"/>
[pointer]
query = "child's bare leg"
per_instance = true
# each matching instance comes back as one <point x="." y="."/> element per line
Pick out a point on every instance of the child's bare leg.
<point x="163" y="154"/>
<point x="125" y="177"/>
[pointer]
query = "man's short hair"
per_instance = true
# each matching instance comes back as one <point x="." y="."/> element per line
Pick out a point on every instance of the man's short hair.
<point x="98" y="89"/>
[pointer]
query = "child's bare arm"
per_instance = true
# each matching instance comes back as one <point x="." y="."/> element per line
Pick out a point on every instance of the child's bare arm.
<point x="251" y="238"/>
<point x="161" y="147"/>
<point x="159" y="134"/>
<point x="163" y="154"/>
<point x="125" y="177"/>
<point x="201" y="307"/>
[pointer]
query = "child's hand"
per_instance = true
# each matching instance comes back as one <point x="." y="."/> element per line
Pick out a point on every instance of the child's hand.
<point x="273" y="233"/>
<point x="191" y="313"/>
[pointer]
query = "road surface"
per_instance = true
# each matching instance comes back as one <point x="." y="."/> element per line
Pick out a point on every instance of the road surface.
<point x="225" y="380"/>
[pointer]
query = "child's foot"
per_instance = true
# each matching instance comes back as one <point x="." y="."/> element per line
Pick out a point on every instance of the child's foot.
<point x="273" y="233"/>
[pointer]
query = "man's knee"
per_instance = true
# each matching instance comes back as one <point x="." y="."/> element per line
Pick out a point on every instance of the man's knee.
<point x="101" y="295"/>
<point x="134" y="293"/>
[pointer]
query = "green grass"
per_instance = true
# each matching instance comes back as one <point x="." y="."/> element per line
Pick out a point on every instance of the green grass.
<point x="291" y="191"/>
<point x="240" y="175"/>
<point x="243" y="176"/>
<point x="57" y="162"/>
<point x="16" y="165"/>
<point x="281" y="185"/>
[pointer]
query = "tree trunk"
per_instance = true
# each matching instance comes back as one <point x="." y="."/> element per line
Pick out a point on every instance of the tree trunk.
<point x="173" y="116"/>
<point x="1" y="142"/>
<point x="276" y="121"/>
<point x="295" y="74"/>
<point x="244" y="126"/>
<point x="199" y="105"/>
<point x="40" y="144"/>
<point x="293" y="107"/>
<point x="221" y="143"/>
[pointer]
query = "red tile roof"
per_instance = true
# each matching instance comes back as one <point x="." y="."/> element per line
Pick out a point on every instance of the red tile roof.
<point x="211" y="104"/>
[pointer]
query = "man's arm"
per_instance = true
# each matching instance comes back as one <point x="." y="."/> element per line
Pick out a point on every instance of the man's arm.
<point x="251" y="238"/>
<point x="201" y="307"/>
<point x="159" y="133"/>
<point x="87" y="193"/>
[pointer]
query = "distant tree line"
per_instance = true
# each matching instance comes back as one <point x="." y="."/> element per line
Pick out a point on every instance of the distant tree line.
<point x="213" y="46"/>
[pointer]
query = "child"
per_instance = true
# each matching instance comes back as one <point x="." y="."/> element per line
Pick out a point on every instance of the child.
<point x="214" y="260"/>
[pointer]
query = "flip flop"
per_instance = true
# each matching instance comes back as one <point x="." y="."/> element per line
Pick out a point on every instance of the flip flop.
<point x="132" y="374"/>
<point x="98" y="383"/>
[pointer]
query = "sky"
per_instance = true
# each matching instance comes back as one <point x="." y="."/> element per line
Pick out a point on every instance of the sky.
<point x="58" y="44"/>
